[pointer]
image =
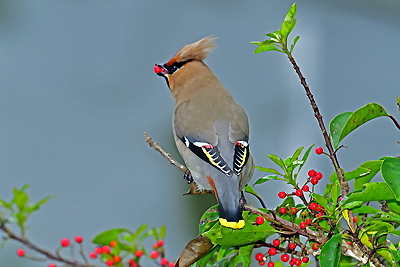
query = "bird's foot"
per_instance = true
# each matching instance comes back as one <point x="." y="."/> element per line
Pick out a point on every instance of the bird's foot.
<point x="242" y="201"/>
<point x="188" y="177"/>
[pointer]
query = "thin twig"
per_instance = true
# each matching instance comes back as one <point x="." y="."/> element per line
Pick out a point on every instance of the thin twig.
<point x="343" y="183"/>
<point x="171" y="160"/>
<point x="46" y="253"/>
<point x="395" y="122"/>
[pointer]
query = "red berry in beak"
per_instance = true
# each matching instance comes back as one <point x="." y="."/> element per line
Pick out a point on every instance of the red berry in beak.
<point x="157" y="69"/>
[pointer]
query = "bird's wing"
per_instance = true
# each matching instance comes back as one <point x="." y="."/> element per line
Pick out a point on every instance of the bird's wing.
<point x="239" y="135"/>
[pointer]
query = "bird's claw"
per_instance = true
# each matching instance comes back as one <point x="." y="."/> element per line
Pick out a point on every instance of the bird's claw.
<point x="188" y="177"/>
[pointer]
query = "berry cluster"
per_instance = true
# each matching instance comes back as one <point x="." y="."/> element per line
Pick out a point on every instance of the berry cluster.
<point x="311" y="213"/>
<point x="291" y="247"/>
<point x="110" y="254"/>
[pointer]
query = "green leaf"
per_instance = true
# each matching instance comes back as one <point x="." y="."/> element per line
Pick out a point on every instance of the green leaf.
<point x="264" y="48"/>
<point x="358" y="118"/>
<point x="138" y="232"/>
<point x="374" y="191"/>
<point x="336" y="126"/>
<point x="104" y="238"/>
<point x="250" y="190"/>
<point x="275" y="35"/>
<point x="5" y="204"/>
<point x="391" y="173"/>
<point x="266" y="42"/>
<point x="331" y="252"/>
<point x="277" y="160"/>
<point x="291" y="13"/>
<point x="267" y="178"/>
<point x="294" y="43"/>
<point x="155" y="234"/>
<point x="37" y="205"/>
<point x="162" y="231"/>
<point x="352" y="205"/>
<point x="320" y="199"/>
<point x="21" y="198"/>
<point x="209" y="218"/>
<point x="335" y="191"/>
<point x="270" y="170"/>
<point x="365" y="209"/>
<point x="296" y="154"/>
<point x="373" y="166"/>
<point x="285" y="29"/>
<point x="206" y="258"/>
<point x="251" y="233"/>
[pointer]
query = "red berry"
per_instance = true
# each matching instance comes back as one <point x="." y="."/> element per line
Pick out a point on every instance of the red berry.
<point x="291" y="262"/>
<point x="106" y="249"/>
<point x="305" y="259"/>
<point x="78" y="239"/>
<point x="292" y="246"/>
<point x="164" y="261"/>
<point x="314" y="180"/>
<point x="92" y="255"/>
<point x="348" y="243"/>
<point x="313" y="206"/>
<point x="171" y="264"/>
<point x="132" y="263"/>
<point x="65" y="242"/>
<point x="21" y="252"/>
<point x="271" y="264"/>
<point x="285" y="257"/>
<point x="299" y="192"/>
<point x="305" y="188"/>
<point x="139" y="253"/>
<point x="109" y="262"/>
<point x="293" y="210"/>
<point x="276" y="242"/>
<point x="98" y="250"/>
<point x="298" y="262"/>
<point x="51" y="265"/>
<point x="340" y="199"/>
<point x="355" y="219"/>
<point x="319" y="150"/>
<point x="259" y="220"/>
<point x="315" y="246"/>
<point x="311" y="173"/>
<point x="303" y="225"/>
<point x="154" y="254"/>
<point x="318" y="175"/>
<point x="282" y="210"/>
<point x="116" y="259"/>
<point x="259" y="256"/>
<point x="261" y="263"/>
<point x="157" y="69"/>
<point x="309" y="221"/>
<point x="160" y="243"/>
<point x="282" y="194"/>
<point x="272" y="251"/>
<point x="319" y="216"/>
<point x="113" y="243"/>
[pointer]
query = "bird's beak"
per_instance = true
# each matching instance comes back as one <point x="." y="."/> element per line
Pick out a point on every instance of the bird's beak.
<point x="160" y="70"/>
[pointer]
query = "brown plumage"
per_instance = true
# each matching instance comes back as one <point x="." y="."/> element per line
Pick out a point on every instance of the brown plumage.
<point x="211" y="131"/>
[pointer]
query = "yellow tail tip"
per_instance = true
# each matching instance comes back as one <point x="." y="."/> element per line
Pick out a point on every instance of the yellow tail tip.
<point x="234" y="225"/>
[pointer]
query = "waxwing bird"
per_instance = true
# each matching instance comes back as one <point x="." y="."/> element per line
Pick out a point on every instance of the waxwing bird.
<point x="211" y="131"/>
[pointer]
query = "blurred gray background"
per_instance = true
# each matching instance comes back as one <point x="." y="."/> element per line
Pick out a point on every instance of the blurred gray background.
<point x="77" y="91"/>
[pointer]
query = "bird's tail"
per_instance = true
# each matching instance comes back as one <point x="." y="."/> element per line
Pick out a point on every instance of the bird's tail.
<point x="227" y="192"/>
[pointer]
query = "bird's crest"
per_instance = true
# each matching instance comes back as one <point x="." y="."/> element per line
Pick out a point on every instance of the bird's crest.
<point x="196" y="51"/>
